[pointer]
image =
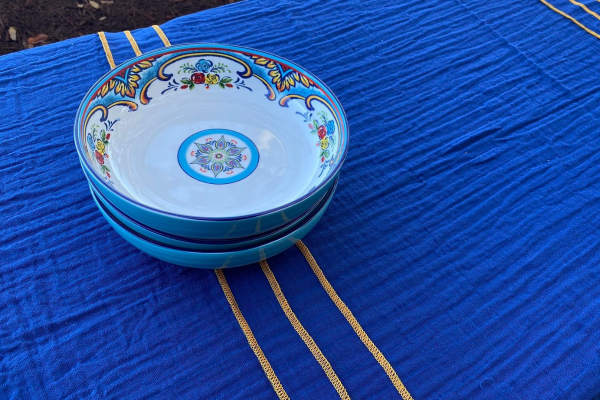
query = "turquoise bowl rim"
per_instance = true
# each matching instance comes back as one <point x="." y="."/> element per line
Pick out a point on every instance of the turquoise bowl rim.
<point x="315" y="213"/>
<point x="102" y="198"/>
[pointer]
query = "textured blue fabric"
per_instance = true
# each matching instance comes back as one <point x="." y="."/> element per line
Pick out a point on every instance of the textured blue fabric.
<point x="463" y="235"/>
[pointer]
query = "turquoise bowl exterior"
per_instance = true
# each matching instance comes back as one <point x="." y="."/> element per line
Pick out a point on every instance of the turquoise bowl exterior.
<point x="203" y="245"/>
<point x="204" y="228"/>
<point x="217" y="259"/>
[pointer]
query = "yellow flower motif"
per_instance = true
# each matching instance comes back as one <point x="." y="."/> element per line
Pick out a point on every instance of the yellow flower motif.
<point x="126" y="81"/>
<point x="100" y="146"/>
<point x="212" y="79"/>
<point x="282" y="76"/>
<point x="324" y="143"/>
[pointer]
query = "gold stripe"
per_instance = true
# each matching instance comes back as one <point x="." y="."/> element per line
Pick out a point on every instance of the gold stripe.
<point x="109" y="56"/>
<point x="257" y="230"/>
<point x="387" y="367"/>
<point x="308" y="340"/>
<point x="162" y="35"/>
<point x="136" y="49"/>
<point x="587" y="10"/>
<point x="264" y="363"/>
<point x="585" y="28"/>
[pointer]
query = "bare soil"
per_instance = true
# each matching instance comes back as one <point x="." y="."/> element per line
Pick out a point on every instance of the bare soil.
<point x="28" y="23"/>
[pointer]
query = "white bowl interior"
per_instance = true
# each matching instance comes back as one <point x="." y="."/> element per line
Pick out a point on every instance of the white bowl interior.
<point x="209" y="149"/>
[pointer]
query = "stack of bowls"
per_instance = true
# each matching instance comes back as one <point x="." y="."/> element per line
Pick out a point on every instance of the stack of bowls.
<point x="209" y="155"/>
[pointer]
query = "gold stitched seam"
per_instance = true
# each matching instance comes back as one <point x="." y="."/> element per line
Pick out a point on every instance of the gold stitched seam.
<point x="387" y="367"/>
<point x="107" y="51"/>
<point x="133" y="43"/>
<point x="262" y="359"/>
<point x="587" y="10"/>
<point x="585" y="28"/>
<point x="162" y="35"/>
<point x="306" y="338"/>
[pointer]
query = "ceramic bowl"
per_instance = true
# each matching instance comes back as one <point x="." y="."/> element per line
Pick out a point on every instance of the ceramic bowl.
<point x="203" y="244"/>
<point x="217" y="259"/>
<point x="211" y="141"/>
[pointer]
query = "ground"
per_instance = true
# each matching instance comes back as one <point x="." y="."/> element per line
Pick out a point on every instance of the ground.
<point x="28" y="23"/>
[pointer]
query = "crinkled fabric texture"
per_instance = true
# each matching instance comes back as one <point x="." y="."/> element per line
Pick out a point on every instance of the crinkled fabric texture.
<point x="464" y="234"/>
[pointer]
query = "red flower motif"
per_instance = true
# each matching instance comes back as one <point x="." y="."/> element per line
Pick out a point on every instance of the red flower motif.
<point x="184" y="86"/>
<point x="228" y="85"/>
<point x="107" y="174"/>
<point x="193" y="152"/>
<point x="99" y="157"/>
<point x="322" y="131"/>
<point x="322" y="159"/>
<point x="198" y="78"/>
<point x="310" y="126"/>
<point x="108" y="136"/>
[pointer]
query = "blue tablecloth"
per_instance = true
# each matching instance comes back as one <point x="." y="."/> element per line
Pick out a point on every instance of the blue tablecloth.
<point x="463" y="235"/>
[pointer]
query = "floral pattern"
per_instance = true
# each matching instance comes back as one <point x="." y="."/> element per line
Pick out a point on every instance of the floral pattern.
<point x="98" y="141"/>
<point x="125" y="83"/>
<point x="210" y="70"/>
<point x="324" y="129"/>
<point x="282" y="76"/>
<point x="208" y="74"/>
<point x="219" y="156"/>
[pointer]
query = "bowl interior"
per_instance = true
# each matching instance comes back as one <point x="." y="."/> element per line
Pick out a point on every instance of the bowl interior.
<point x="211" y="131"/>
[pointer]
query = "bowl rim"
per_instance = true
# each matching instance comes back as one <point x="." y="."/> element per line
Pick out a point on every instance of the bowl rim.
<point x="222" y="46"/>
<point x="96" y="193"/>
<point x="314" y="212"/>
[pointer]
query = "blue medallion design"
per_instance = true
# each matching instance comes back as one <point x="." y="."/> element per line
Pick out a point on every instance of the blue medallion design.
<point x="218" y="156"/>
